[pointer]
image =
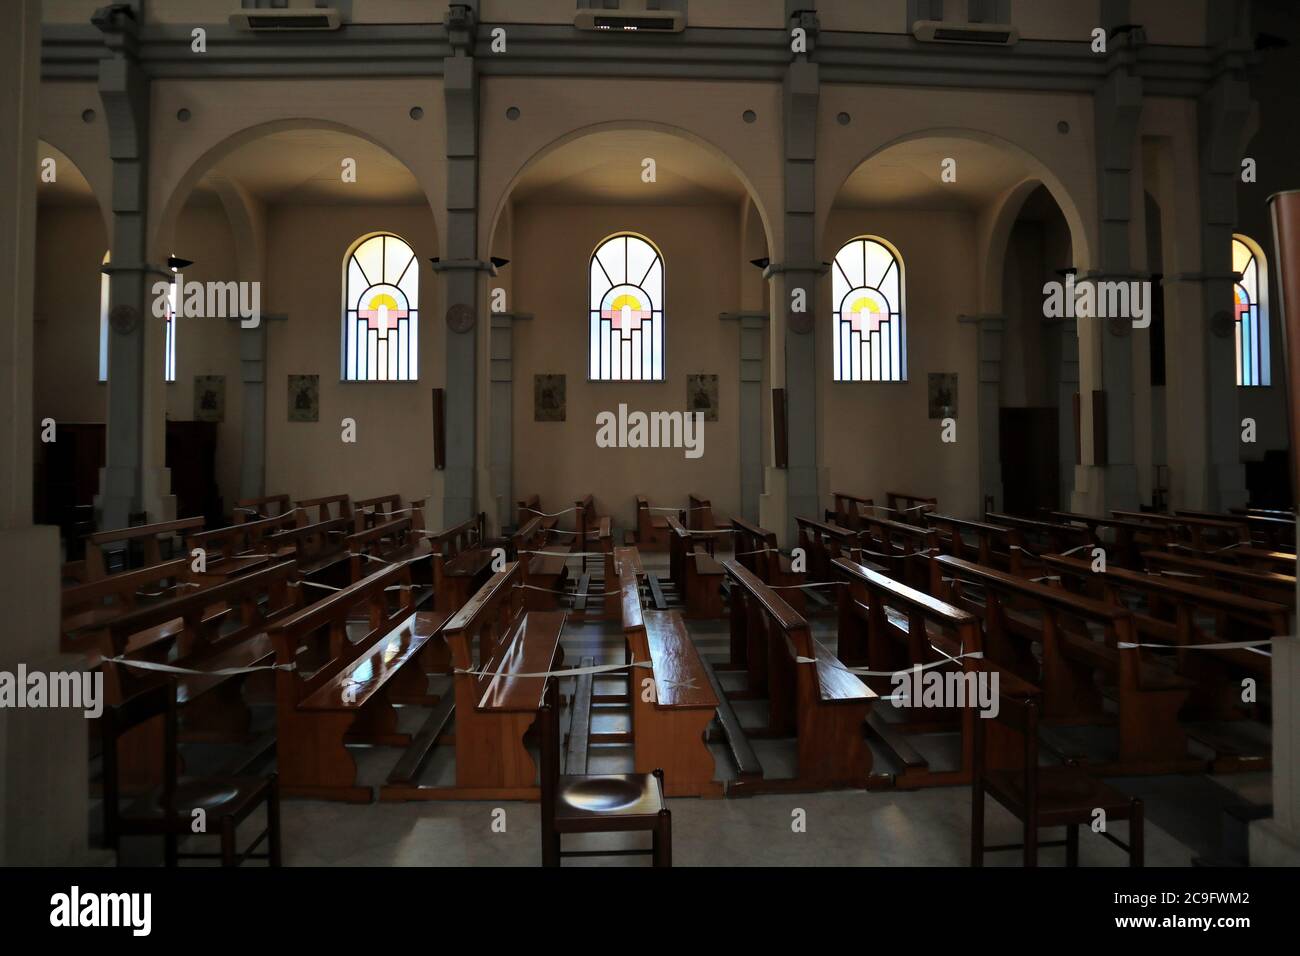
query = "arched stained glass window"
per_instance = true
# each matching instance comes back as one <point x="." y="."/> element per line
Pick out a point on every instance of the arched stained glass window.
<point x="381" y="311"/>
<point x="626" y="284"/>
<point x="869" y="321"/>
<point x="169" y="350"/>
<point x="1250" y="309"/>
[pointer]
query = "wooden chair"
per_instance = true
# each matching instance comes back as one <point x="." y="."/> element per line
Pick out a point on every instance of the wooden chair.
<point x="604" y="803"/>
<point x="1044" y="796"/>
<point x="172" y="810"/>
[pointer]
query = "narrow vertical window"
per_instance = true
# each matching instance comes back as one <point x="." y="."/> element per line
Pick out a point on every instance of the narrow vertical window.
<point x="869" y="331"/>
<point x="626" y="295"/>
<point x="381" y="313"/>
<point x="1250" y="310"/>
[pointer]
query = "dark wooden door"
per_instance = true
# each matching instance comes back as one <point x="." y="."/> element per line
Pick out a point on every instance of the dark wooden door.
<point x="1031" y="473"/>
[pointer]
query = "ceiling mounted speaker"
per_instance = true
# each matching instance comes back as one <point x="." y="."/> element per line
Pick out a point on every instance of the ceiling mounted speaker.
<point x="983" y="34"/>
<point x="286" y="18"/>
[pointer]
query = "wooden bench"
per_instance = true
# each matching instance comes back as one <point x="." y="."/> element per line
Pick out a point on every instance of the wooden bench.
<point x="850" y="510"/>
<point x="908" y="508"/>
<point x="1044" y="537"/>
<point x="1202" y="533"/>
<point x="1247" y="556"/>
<point x="1018" y="613"/>
<point x="254" y="509"/>
<point x="368" y="512"/>
<point x="756" y="548"/>
<point x="810" y="693"/>
<point x="651" y="528"/>
<point x="906" y="551"/>
<point x="695" y="573"/>
<point x="1268" y="530"/>
<point x="886" y="626"/>
<point x="148" y="537"/>
<point x="329" y="507"/>
<point x="460" y="563"/>
<point x="699" y="514"/>
<point x="543" y="567"/>
<point x="1265" y="585"/>
<point x="1180" y="614"/>
<point x="526" y="509"/>
<point x="673" y="701"/>
<point x="319" y="550"/>
<point x="995" y="545"/>
<point x="822" y="544"/>
<point x="88" y="608"/>
<point x="209" y="630"/>
<point x="494" y="708"/>
<point x="396" y="541"/>
<point x="241" y="547"/>
<point x="1122" y="540"/>
<point x="336" y="690"/>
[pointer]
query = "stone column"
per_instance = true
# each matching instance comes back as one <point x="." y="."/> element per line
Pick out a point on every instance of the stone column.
<point x="460" y="266"/>
<point x="753" y="331"/>
<point x="43" y="758"/>
<point x="501" y="423"/>
<point x="134" y="477"/>
<point x="989" y="330"/>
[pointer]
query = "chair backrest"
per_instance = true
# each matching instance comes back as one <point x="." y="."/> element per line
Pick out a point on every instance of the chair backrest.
<point x="1017" y="718"/>
<point x="155" y="700"/>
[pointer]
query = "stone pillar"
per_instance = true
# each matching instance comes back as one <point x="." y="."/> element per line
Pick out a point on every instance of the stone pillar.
<point x="989" y="330"/>
<point x="501" y="423"/>
<point x="134" y="477"/>
<point x="43" y="757"/>
<point x="460" y="265"/>
<point x="753" y="331"/>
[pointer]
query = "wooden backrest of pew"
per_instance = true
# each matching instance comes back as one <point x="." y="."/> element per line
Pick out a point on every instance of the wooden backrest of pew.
<point x="1261" y="559"/>
<point x="1268" y="585"/>
<point x="584" y="521"/>
<point x="460" y="538"/>
<point x="267" y="506"/>
<point x="148" y="534"/>
<point x="756" y="548"/>
<point x="243" y="537"/>
<point x="629" y="592"/>
<point x="822" y="543"/>
<point x="997" y="543"/>
<point x="850" y="509"/>
<point x="1266" y="615"/>
<point x="699" y="513"/>
<point x="526" y="509"/>
<point x="909" y="508"/>
<point x="86" y="608"/>
<point x="912" y="547"/>
<point x="384" y="508"/>
<point x="329" y="507"/>
<point x="1230" y="529"/>
<point x="1275" y="528"/>
<point x="382" y="541"/>
<point x="484" y="623"/>
<point x="1058" y="537"/>
<point x="313" y="543"/>
<point x="328" y="618"/>
<point x="197" y="623"/>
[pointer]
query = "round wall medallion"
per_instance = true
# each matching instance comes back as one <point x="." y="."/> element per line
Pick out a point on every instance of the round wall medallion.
<point x="124" y="319"/>
<point x="1119" y="326"/>
<point x="460" y="317"/>
<point x="801" y="322"/>
<point x="1221" y="324"/>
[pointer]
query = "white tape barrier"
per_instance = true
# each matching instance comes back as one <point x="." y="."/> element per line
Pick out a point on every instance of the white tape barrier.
<point x="173" y="669"/>
<point x="1252" y="646"/>
<point x="550" y="514"/>
<point x="574" y="672"/>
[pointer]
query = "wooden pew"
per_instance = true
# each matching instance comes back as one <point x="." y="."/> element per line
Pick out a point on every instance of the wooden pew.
<point x="1175" y="612"/>
<point x="1044" y="537"/>
<point x="1264" y="585"/>
<point x="318" y="549"/>
<point x="651" y="529"/>
<point x="241" y="547"/>
<point x="886" y="626"/>
<point x="89" y="608"/>
<point x="909" y="509"/>
<point x="756" y="548"/>
<point x="1271" y="530"/>
<point x="329" y="507"/>
<point x="697" y="576"/>
<point x="699" y="514"/>
<point x="368" y="512"/>
<point x="254" y="509"/>
<point x="850" y="510"/>
<point x="673" y="701"/>
<point x="810" y="693"/>
<point x="342" y="690"/>
<point x="149" y="537"/>
<point x="822" y="544"/>
<point x="526" y="509"/>
<point x="396" y="541"/>
<point x="543" y="577"/>
<point x="1258" y="559"/>
<point x="1201" y="533"/>
<point x="995" y="545"/>
<point x="906" y="551"/>
<point x="461" y="564"/>
<point x="1018" y="613"/>
<point x="493" y="709"/>
<point x="1122" y="540"/>
<point x="209" y="630"/>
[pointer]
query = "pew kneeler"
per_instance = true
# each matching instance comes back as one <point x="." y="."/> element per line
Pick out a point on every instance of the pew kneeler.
<point x="1044" y="796"/>
<point x="600" y="803"/>
<point x="168" y="811"/>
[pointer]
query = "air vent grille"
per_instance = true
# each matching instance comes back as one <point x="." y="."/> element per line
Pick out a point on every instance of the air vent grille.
<point x="303" y="22"/>
<point x="636" y="23"/>
<point x="957" y="35"/>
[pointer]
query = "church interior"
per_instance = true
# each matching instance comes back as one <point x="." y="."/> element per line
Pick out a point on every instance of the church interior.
<point x="739" y="433"/>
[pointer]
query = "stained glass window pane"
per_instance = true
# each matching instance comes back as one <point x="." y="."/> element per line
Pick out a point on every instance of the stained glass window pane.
<point x="869" y="340"/>
<point x="1250" y="312"/>
<point x="381" y="316"/>
<point x="626" y="318"/>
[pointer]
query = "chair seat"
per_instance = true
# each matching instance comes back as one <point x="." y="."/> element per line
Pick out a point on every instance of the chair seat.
<point x="217" y="796"/>
<point x="608" y="801"/>
<point x="1065" y="794"/>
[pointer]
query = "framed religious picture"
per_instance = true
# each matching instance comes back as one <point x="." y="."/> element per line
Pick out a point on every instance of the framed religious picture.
<point x="549" y="403"/>
<point x="702" y="395"/>
<point x="304" y="398"/>
<point x="209" y="398"/>
<point x="943" y="394"/>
